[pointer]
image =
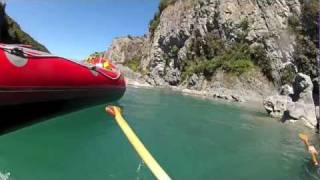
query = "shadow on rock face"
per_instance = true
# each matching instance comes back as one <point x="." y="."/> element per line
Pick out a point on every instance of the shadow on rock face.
<point x="285" y="117"/>
<point x="316" y="95"/>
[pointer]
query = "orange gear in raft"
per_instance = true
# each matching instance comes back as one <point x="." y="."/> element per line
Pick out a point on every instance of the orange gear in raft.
<point x="106" y="64"/>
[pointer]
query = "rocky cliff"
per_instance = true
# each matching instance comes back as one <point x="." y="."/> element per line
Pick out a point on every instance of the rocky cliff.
<point x="11" y="33"/>
<point x="128" y="48"/>
<point x="247" y="48"/>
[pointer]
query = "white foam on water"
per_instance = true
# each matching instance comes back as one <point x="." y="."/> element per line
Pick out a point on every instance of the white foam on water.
<point x="4" y="176"/>
<point x="314" y="176"/>
<point x="140" y="166"/>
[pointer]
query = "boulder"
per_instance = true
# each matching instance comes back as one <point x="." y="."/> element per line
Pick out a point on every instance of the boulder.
<point x="302" y="111"/>
<point x="195" y="82"/>
<point x="125" y="49"/>
<point x="303" y="107"/>
<point x="286" y="90"/>
<point x="227" y="94"/>
<point x="297" y="104"/>
<point x="237" y="98"/>
<point x="276" y="105"/>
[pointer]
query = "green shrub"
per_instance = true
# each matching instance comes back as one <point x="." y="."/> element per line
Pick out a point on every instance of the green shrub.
<point x="309" y="19"/>
<point x="214" y="46"/>
<point x="174" y="51"/>
<point x="134" y="64"/>
<point x="236" y="60"/>
<point x="154" y="23"/>
<point x="209" y="46"/>
<point x="244" y="25"/>
<point x="287" y="75"/>
<point x="306" y="50"/>
<point x="305" y="57"/>
<point x="260" y="59"/>
<point x="188" y="70"/>
<point x="240" y="66"/>
<point x="165" y="3"/>
<point x="294" y="21"/>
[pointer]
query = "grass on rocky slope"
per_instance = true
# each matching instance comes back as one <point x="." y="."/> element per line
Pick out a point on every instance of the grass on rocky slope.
<point x="236" y="60"/>
<point x="134" y="64"/>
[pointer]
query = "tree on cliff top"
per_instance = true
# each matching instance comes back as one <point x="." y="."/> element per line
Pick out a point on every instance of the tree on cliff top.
<point x="11" y="32"/>
<point x="156" y="19"/>
<point x="306" y="29"/>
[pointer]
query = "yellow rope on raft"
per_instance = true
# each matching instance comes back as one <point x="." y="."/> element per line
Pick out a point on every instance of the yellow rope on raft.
<point x="152" y="164"/>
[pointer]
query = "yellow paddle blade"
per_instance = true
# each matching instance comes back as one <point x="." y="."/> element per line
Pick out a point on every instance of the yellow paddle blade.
<point x="303" y="137"/>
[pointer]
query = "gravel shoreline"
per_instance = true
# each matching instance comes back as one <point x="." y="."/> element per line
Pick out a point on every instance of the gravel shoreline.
<point x="256" y="102"/>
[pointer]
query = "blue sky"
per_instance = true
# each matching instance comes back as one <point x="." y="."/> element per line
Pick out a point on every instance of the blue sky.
<point x="76" y="28"/>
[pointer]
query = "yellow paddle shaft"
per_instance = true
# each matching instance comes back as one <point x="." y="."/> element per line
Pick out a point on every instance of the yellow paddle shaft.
<point x="152" y="164"/>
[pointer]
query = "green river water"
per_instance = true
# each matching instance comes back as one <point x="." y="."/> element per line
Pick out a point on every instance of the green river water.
<point x="191" y="138"/>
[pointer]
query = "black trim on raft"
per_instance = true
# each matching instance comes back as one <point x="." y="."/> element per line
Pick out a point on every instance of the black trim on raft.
<point x="48" y="89"/>
<point x="23" y="96"/>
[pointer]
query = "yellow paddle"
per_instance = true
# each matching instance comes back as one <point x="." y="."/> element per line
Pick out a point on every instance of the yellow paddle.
<point x="313" y="152"/>
<point x="152" y="164"/>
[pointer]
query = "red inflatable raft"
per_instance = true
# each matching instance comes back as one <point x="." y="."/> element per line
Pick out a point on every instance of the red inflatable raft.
<point x="28" y="76"/>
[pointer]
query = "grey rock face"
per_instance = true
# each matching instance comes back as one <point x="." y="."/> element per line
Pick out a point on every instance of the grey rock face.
<point x="186" y="20"/>
<point x="173" y="77"/>
<point x="163" y="53"/>
<point x="127" y="48"/>
<point x="302" y="111"/>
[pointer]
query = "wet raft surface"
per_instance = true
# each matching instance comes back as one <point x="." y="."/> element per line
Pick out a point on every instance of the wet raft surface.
<point x="191" y="138"/>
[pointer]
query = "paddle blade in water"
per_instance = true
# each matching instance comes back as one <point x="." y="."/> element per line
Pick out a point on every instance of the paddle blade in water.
<point x="304" y="138"/>
<point x="313" y="153"/>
